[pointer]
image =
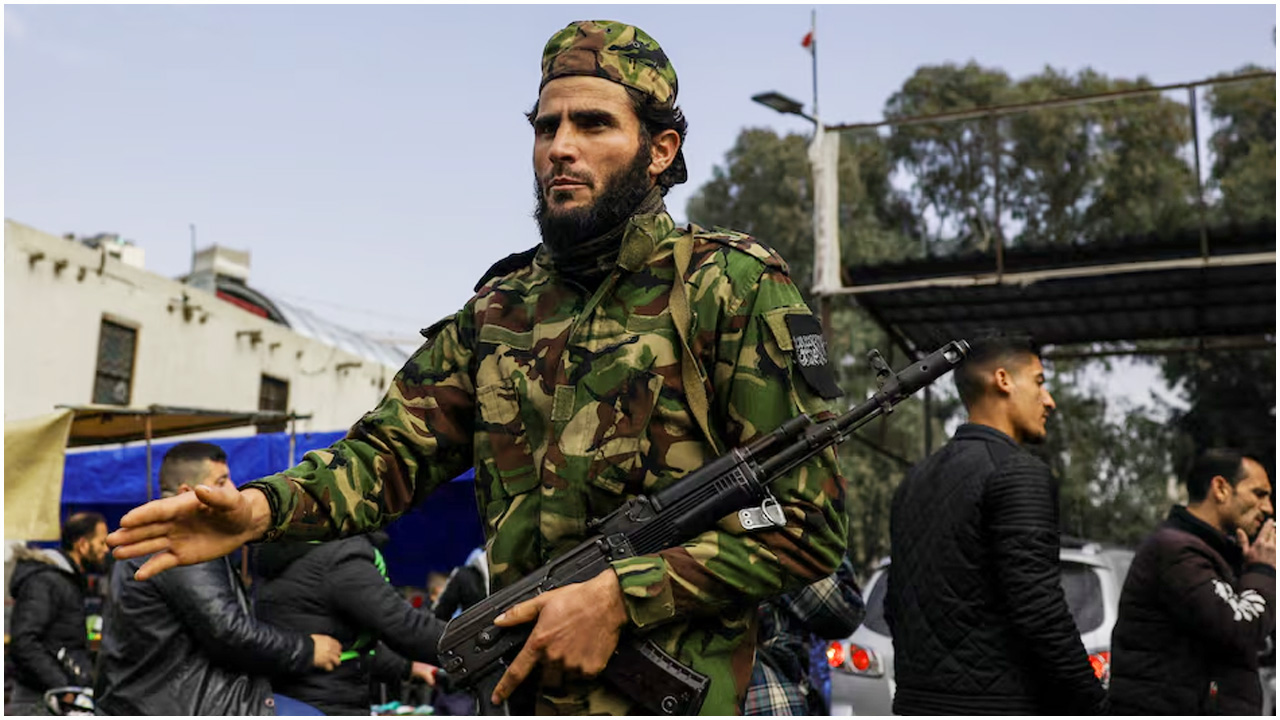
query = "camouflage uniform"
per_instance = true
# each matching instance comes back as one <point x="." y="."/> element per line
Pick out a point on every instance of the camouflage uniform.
<point x="568" y="403"/>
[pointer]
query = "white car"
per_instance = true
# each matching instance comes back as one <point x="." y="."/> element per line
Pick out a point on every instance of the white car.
<point x="862" y="666"/>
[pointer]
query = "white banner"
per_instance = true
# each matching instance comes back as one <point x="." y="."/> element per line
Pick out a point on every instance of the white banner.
<point x="824" y="157"/>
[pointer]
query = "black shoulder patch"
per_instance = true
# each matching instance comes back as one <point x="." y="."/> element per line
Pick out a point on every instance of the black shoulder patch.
<point x="809" y="350"/>
<point x="508" y="265"/>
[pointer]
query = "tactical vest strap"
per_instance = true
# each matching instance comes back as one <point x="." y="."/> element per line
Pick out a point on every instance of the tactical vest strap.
<point x="695" y="387"/>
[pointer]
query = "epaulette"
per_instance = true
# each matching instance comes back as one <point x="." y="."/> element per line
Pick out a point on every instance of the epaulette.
<point x="431" y="330"/>
<point x="508" y="265"/>
<point x="742" y="243"/>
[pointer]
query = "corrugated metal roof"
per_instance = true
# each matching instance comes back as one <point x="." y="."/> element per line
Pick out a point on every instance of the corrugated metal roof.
<point x="1124" y="290"/>
<point x="315" y="326"/>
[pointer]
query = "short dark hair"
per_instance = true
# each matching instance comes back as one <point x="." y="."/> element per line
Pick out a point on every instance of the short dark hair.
<point x="1209" y="464"/>
<point x="81" y="524"/>
<point x="654" y="119"/>
<point x="184" y="462"/>
<point x="987" y="350"/>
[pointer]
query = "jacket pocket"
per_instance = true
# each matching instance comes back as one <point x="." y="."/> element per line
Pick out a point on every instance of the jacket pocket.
<point x="608" y="431"/>
<point x="502" y="442"/>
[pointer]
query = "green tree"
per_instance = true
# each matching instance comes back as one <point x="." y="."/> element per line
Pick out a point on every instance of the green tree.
<point x="1232" y="402"/>
<point x="1113" y="474"/>
<point x="1244" y="148"/>
<point x="953" y="164"/>
<point x="1053" y="157"/>
<point x="1146" y="186"/>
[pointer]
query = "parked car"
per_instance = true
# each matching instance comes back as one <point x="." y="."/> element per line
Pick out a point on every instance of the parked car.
<point x="862" y="665"/>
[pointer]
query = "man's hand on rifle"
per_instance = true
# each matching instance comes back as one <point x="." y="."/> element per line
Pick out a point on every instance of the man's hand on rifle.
<point x="190" y="528"/>
<point x="576" y="632"/>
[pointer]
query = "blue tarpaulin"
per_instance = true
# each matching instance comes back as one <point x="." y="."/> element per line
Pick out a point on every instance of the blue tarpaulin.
<point x="436" y="536"/>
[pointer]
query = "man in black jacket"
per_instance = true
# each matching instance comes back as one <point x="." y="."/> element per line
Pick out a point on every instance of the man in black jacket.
<point x="979" y="620"/>
<point x="338" y="588"/>
<point x="1199" y="601"/>
<point x="49" y="644"/>
<point x="186" y="643"/>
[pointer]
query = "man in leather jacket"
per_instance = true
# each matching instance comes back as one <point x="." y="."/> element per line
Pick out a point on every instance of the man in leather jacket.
<point x="186" y="643"/>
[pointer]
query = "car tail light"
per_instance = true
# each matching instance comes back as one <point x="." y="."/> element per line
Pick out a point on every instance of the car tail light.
<point x="853" y="659"/>
<point x="835" y="654"/>
<point x="1101" y="662"/>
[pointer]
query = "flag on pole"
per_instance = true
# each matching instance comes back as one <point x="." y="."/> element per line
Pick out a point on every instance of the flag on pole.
<point x="807" y="42"/>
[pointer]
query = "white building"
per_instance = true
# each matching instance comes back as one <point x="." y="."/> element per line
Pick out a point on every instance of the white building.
<point x="84" y="324"/>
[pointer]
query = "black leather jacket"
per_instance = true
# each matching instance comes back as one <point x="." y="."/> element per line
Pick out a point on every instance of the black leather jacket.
<point x="48" y="644"/>
<point x="185" y="643"/>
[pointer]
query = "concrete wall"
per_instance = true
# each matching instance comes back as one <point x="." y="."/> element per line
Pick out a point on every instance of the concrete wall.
<point x="198" y="353"/>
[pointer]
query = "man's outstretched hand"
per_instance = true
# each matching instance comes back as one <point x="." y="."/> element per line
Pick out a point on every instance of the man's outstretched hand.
<point x="190" y="528"/>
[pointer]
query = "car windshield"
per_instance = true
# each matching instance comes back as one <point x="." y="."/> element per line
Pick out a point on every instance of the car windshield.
<point x="1080" y="583"/>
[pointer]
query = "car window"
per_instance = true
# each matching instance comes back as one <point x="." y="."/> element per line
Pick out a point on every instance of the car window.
<point x="1083" y="589"/>
<point x="1080" y="583"/>
<point x="875" y="604"/>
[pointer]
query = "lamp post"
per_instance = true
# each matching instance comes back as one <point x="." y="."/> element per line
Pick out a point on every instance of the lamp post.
<point x="824" y="159"/>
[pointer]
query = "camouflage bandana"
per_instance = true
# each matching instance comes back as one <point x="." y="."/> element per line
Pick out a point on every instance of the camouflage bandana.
<point x="624" y="54"/>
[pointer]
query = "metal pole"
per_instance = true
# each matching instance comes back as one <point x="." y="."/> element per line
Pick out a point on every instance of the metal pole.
<point x="1195" y="138"/>
<point x="293" y="438"/>
<point x="995" y="171"/>
<point x="928" y="426"/>
<point x="813" y="29"/>
<point x="146" y="425"/>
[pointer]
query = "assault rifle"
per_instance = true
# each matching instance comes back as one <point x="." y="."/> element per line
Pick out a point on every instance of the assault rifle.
<point x="473" y="651"/>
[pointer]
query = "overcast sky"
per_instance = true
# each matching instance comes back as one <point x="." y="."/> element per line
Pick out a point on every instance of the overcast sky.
<point x="375" y="160"/>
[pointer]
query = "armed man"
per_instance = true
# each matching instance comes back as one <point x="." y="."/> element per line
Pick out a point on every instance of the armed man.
<point x="615" y="357"/>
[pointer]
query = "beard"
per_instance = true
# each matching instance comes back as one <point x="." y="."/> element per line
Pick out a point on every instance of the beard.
<point x="564" y="230"/>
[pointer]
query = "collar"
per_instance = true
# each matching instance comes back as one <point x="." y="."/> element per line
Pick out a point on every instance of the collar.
<point x="977" y="431"/>
<point x="1180" y="518"/>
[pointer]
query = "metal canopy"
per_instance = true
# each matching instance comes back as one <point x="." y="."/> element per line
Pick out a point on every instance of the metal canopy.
<point x="1127" y="289"/>
<point x="103" y="424"/>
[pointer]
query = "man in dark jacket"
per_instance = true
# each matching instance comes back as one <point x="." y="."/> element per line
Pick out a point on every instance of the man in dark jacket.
<point x="186" y="643"/>
<point x="1199" y="601"/>
<point x="336" y="588"/>
<point x="48" y="641"/>
<point x="979" y="620"/>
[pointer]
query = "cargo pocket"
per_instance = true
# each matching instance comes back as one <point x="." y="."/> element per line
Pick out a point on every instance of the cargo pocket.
<point x="505" y="460"/>
<point x="621" y="441"/>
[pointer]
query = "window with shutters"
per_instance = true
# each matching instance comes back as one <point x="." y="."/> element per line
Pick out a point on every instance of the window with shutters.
<point x="113" y="382"/>
<point x="273" y="394"/>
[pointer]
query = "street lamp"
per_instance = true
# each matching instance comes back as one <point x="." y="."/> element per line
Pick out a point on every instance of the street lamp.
<point x="783" y="104"/>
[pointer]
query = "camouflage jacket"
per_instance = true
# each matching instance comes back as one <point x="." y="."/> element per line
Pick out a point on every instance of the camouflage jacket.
<point x="570" y="402"/>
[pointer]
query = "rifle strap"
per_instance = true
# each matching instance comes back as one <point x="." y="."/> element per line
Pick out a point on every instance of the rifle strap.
<point x="695" y="387"/>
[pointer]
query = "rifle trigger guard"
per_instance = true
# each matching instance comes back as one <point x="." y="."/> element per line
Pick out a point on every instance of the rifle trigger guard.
<point x="768" y="515"/>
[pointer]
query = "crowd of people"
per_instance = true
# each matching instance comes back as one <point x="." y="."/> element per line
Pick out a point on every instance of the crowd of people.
<point x="616" y="356"/>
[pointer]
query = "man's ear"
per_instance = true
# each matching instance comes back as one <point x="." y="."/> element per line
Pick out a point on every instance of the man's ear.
<point x="662" y="151"/>
<point x="184" y="488"/>
<point x="1002" y="379"/>
<point x="1220" y="488"/>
